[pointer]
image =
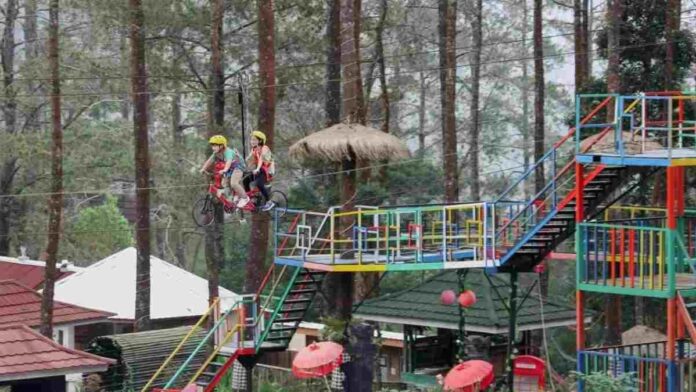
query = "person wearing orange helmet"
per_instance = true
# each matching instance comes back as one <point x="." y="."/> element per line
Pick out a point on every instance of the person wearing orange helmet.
<point x="232" y="171"/>
<point x="260" y="159"/>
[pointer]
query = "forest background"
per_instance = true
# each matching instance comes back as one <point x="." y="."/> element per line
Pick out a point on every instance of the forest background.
<point x="496" y="133"/>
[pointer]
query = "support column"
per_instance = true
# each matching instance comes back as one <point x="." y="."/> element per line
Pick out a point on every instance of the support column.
<point x="671" y="328"/>
<point x="672" y="180"/>
<point x="512" y="329"/>
<point x="675" y="211"/>
<point x="579" y="295"/>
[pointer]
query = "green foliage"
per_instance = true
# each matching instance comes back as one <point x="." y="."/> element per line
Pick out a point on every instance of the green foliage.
<point x="333" y="330"/>
<point x="99" y="231"/>
<point x="605" y="382"/>
<point x="413" y="181"/>
<point x="643" y="50"/>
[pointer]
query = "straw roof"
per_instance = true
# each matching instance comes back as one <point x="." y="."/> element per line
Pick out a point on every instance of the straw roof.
<point x="641" y="334"/>
<point x="338" y="141"/>
<point x="632" y="143"/>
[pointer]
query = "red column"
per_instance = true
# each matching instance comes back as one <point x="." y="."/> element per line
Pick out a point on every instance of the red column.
<point x="579" y="187"/>
<point x="579" y="295"/>
<point x="671" y="327"/>
<point x="672" y="180"/>
<point x="580" y="319"/>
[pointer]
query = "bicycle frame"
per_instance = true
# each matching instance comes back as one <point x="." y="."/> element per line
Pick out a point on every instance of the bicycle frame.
<point x="216" y="185"/>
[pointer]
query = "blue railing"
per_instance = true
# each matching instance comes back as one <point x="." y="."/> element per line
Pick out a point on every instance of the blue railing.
<point x="654" y="124"/>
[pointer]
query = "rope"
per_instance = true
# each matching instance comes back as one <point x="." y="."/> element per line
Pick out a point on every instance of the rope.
<point x="549" y="368"/>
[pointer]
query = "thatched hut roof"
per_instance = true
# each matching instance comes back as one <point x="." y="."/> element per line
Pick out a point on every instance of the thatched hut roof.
<point x="632" y="143"/>
<point x="343" y="141"/>
<point x="641" y="334"/>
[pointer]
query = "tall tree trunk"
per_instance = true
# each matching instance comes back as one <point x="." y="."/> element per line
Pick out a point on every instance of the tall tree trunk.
<point x="587" y="37"/>
<point x="421" y="114"/>
<point x="125" y="99"/>
<point x="260" y="223"/>
<point x="9" y="111"/>
<point x="55" y="203"/>
<point x="214" y="248"/>
<point x="333" y="64"/>
<point x="538" y="95"/>
<point x="580" y="46"/>
<point x="612" y="307"/>
<point x="384" y="95"/>
<point x="474" y="113"/>
<point x="353" y="102"/>
<point x="539" y="149"/>
<point x="30" y="37"/>
<point x="614" y="13"/>
<point x="447" y="33"/>
<point x="333" y="282"/>
<point x="353" y="110"/>
<point x="526" y="137"/>
<point x="142" y="164"/>
<point x="177" y="132"/>
<point x="31" y="53"/>
<point x="361" y="110"/>
<point x="671" y="28"/>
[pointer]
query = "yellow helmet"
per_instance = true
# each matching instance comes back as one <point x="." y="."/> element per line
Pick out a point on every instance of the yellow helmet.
<point x="218" y="139"/>
<point x="259" y="135"/>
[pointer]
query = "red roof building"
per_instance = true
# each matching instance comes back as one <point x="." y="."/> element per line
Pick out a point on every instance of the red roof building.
<point x="20" y="305"/>
<point x="25" y="354"/>
<point x="27" y="272"/>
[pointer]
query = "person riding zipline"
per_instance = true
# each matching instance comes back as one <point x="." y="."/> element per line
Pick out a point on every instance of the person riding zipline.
<point x="260" y="159"/>
<point x="232" y="171"/>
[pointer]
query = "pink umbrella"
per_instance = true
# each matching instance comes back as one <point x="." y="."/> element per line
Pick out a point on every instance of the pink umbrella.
<point x="469" y="376"/>
<point x="317" y="360"/>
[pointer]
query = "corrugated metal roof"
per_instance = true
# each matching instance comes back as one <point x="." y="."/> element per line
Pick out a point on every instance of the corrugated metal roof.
<point x="421" y="305"/>
<point x="140" y="354"/>
<point x="20" y="305"/>
<point x="174" y="292"/>
<point x="26" y="354"/>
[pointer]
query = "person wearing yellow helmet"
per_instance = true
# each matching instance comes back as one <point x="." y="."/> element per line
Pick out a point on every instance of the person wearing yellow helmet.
<point x="260" y="159"/>
<point x="228" y="163"/>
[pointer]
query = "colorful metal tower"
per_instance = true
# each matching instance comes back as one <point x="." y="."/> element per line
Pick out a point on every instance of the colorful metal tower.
<point x="647" y="252"/>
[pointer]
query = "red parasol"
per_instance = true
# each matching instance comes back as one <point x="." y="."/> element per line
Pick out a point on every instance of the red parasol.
<point x="469" y="376"/>
<point x="317" y="360"/>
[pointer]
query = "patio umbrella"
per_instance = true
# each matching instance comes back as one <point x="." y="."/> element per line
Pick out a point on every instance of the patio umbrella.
<point x="317" y="360"/>
<point x="469" y="376"/>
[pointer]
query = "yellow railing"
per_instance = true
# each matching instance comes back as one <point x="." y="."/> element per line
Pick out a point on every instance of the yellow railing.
<point x="237" y="329"/>
<point x="171" y="356"/>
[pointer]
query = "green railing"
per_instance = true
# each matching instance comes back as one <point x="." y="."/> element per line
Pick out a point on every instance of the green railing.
<point x="627" y="259"/>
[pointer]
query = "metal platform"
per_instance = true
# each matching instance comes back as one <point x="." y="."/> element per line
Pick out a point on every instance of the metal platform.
<point x="661" y="158"/>
<point x="455" y="259"/>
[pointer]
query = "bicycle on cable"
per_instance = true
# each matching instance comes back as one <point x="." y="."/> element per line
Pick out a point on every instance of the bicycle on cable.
<point x="204" y="207"/>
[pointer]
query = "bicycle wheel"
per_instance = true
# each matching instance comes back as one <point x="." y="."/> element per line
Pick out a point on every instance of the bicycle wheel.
<point x="203" y="211"/>
<point x="281" y="203"/>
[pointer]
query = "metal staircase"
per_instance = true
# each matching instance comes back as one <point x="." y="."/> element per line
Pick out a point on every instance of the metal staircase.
<point x="261" y="322"/>
<point x="543" y="229"/>
<point x="559" y="224"/>
<point x="293" y="308"/>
